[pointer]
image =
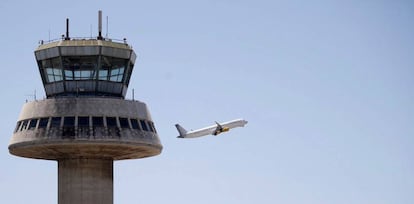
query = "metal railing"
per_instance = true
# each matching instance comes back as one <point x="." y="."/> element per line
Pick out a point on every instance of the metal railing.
<point x="63" y="38"/>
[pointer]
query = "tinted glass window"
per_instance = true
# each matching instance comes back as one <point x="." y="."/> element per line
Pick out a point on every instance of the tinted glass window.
<point x="17" y="126"/>
<point x="111" y="121"/>
<point x="152" y="127"/>
<point x="33" y="124"/>
<point x="43" y="122"/>
<point x="55" y="122"/>
<point x="134" y="123"/>
<point x="80" y="68"/>
<point x="124" y="122"/>
<point x="53" y="74"/>
<point x="24" y="125"/>
<point x="69" y="121"/>
<point x="144" y="125"/>
<point x="112" y="69"/>
<point x="97" y="121"/>
<point x="83" y="121"/>
<point x="52" y="69"/>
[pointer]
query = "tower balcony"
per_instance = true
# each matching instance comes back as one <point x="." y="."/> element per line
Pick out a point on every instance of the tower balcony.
<point x="85" y="127"/>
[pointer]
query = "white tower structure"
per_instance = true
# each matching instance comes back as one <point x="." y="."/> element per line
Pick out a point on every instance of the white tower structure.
<point x="85" y="123"/>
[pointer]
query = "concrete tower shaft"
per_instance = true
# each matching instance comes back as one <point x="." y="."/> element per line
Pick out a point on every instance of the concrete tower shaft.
<point x="85" y="123"/>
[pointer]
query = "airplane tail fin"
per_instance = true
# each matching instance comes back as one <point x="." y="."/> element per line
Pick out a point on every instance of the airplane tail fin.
<point x="181" y="130"/>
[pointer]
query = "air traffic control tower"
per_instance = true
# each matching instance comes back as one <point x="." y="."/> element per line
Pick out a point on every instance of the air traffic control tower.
<point x="85" y="123"/>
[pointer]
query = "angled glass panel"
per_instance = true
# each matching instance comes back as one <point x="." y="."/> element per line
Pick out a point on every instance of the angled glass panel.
<point x="113" y="68"/>
<point x="69" y="75"/>
<point x="17" y="126"/>
<point x="97" y="121"/>
<point x="134" y="123"/>
<point x="32" y="124"/>
<point x="53" y="69"/>
<point x="83" y="121"/>
<point x="144" y="125"/>
<point x="43" y="122"/>
<point x="111" y="121"/>
<point x="69" y="122"/>
<point x="103" y="74"/>
<point x="80" y="67"/>
<point x="55" y="122"/>
<point x="24" y="125"/>
<point x="124" y="122"/>
<point x="152" y="126"/>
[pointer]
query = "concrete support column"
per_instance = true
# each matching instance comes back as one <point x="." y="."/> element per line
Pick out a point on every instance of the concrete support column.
<point x="85" y="181"/>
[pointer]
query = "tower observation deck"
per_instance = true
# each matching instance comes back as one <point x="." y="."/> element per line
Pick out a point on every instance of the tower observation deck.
<point x="85" y="123"/>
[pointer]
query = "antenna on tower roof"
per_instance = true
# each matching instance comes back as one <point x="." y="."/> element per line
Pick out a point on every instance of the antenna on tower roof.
<point x="107" y="24"/>
<point x="100" y="25"/>
<point x="67" y="29"/>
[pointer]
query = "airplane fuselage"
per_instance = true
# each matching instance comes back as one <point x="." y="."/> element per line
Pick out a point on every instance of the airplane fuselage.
<point x="211" y="130"/>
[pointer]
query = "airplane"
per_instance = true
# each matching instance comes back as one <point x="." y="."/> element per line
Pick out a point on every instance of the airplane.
<point x="211" y="130"/>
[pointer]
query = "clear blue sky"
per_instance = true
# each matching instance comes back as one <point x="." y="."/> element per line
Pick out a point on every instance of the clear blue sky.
<point x="327" y="88"/>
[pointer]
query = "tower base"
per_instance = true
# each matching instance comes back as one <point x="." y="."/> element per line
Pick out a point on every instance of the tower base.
<point x="85" y="181"/>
